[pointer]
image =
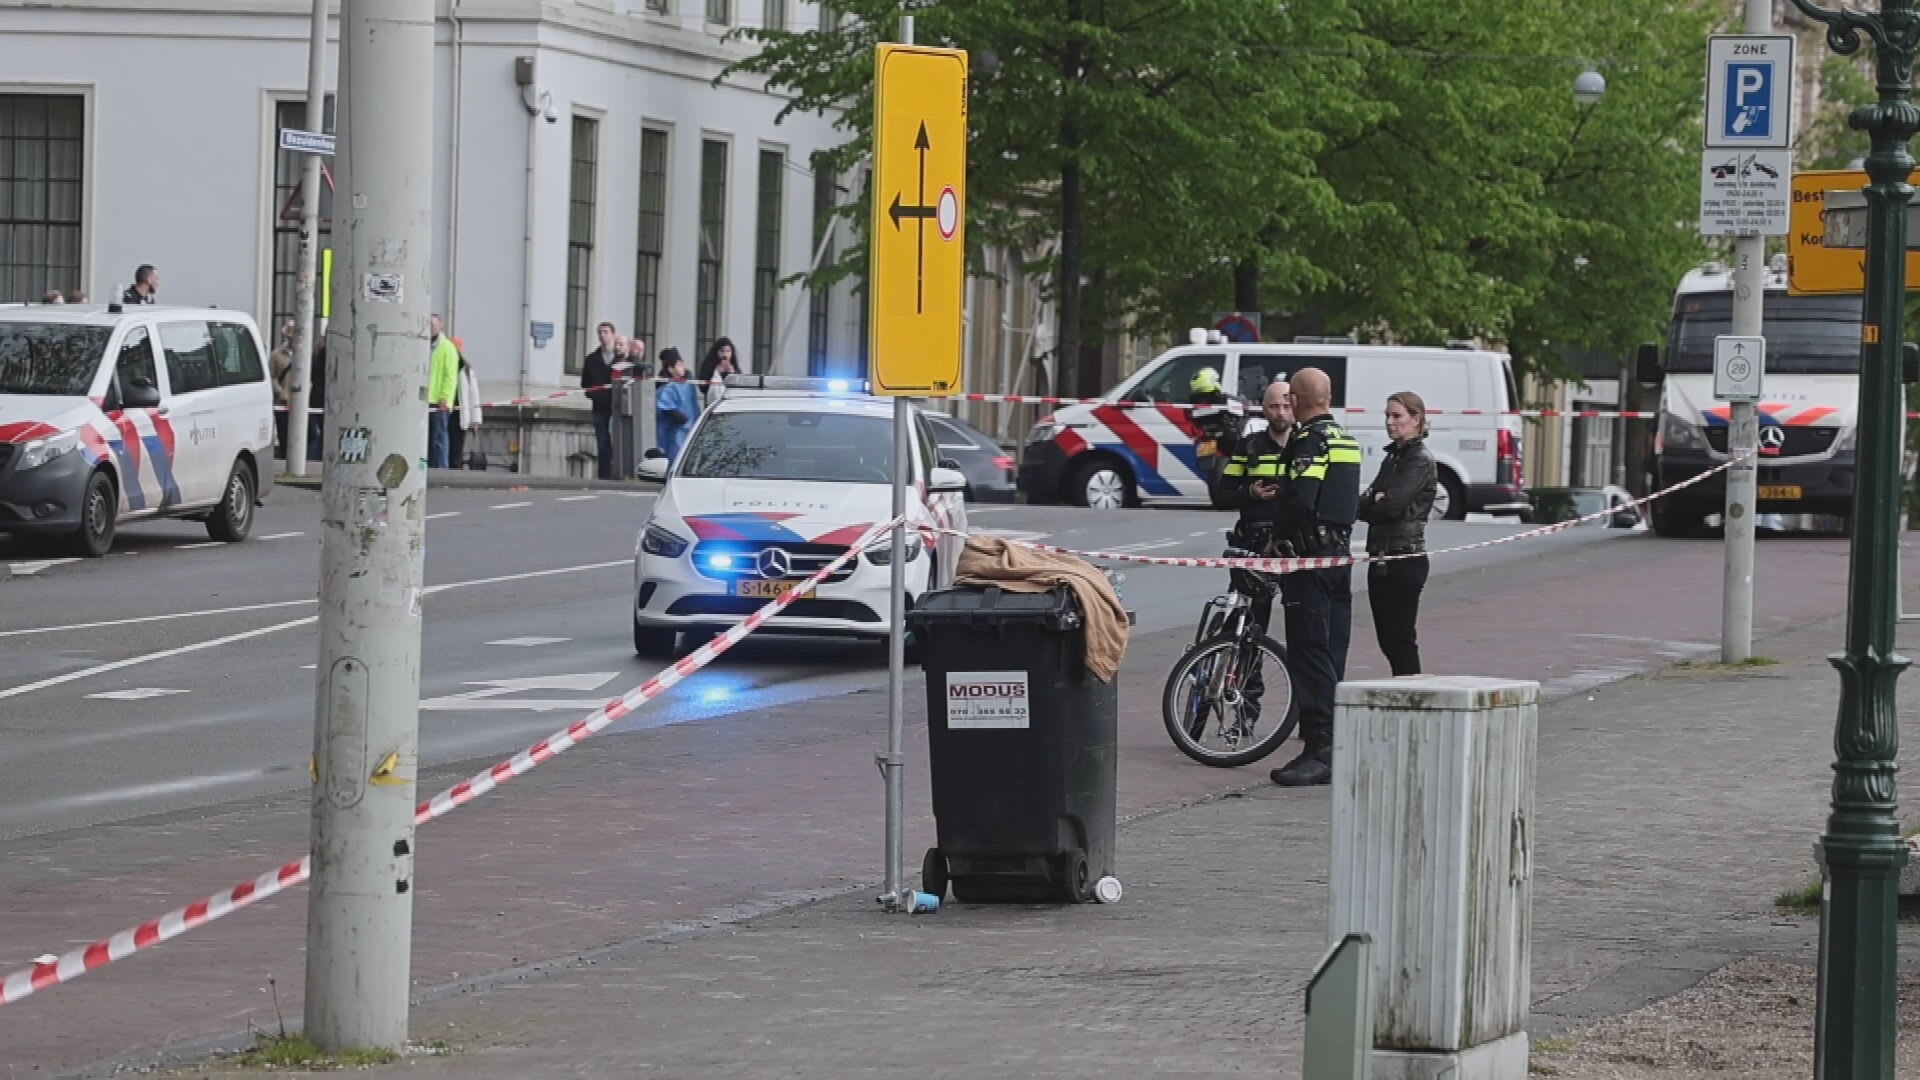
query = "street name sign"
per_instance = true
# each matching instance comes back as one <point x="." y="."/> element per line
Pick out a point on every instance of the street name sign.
<point x="918" y="259"/>
<point x="1749" y="91"/>
<point x="1739" y="364"/>
<point x="306" y="142"/>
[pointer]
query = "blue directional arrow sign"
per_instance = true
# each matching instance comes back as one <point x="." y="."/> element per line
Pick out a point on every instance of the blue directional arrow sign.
<point x="1749" y="91"/>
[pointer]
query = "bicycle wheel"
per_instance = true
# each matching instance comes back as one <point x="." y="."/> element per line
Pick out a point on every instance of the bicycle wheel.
<point x="1219" y="698"/>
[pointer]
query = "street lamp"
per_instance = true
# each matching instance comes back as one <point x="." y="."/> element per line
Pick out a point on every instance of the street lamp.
<point x="1862" y="848"/>
<point x="1589" y="87"/>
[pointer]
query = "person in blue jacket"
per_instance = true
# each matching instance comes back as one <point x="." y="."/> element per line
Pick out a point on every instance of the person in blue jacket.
<point x="676" y="406"/>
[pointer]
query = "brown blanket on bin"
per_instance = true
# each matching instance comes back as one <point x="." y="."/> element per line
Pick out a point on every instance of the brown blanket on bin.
<point x="991" y="560"/>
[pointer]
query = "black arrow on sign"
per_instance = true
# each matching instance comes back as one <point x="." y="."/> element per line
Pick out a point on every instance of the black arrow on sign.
<point x="923" y="213"/>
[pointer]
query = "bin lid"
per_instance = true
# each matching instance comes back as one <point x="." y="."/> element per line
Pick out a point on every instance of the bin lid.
<point x="1438" y="692"/>
<point x="978" y="604"/>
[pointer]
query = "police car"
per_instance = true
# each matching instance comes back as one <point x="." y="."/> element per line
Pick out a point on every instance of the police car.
<point x="111" y="414"/>
<point x="777" y="479"/>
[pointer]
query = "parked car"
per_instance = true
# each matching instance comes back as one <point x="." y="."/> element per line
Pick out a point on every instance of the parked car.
<point x="988" y="468"/>
<point x="1552" y="505"/>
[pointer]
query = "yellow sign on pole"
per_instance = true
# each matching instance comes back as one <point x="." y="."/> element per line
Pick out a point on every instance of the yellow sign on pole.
<point x="1825" y="256"/>
<point x="917" y="261"/>
<point x="326" y="283"/>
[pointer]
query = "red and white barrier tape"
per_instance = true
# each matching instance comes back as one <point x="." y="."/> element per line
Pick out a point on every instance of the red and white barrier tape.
<point x="78" y="962"/>
<point x="1288" y="565"/>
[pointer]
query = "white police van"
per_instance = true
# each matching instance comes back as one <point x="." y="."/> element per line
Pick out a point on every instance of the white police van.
<point x="1108" y="456"/>
<point x="112" y="414"/>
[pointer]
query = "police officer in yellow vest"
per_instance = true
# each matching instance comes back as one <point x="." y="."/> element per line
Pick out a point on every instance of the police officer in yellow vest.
<point x="1250" y="482"/>
<point x="1319" y="501"/>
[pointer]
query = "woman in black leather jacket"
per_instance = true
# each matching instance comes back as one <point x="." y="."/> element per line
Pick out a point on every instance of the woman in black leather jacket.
<point x="1395" y="507"/>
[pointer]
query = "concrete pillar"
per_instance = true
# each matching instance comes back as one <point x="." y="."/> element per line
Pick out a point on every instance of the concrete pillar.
<point x="1433" y="858"/>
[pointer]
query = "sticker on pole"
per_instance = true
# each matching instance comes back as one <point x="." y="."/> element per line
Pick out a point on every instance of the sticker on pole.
<point x="987" y="700"/>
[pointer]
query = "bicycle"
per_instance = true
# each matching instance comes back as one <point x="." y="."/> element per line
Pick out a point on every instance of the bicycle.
<point x="1229" y="676"/>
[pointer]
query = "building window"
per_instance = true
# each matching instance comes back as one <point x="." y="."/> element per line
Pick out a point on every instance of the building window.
<point x="825" y="190"/>
<point x="720" y="12"/>
<point x="766" y="259"/>
<point x="41" y="140"/>
<point x="581" y="191"/>
<point x="829" y="19"/>
<point x="774" y="16"/>
<point x="658" y="7"/>
<point x="653" y="232"/>
<point x="713" y="243"/>
<point x="287" y="208"/>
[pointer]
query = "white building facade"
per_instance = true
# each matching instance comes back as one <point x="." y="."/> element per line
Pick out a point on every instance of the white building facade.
<point x="587" y="169"/>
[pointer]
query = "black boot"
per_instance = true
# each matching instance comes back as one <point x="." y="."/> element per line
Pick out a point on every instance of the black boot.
<point x="1314" y="766"/>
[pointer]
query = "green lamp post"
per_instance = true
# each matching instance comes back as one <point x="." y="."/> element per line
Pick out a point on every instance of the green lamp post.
<point x="1863" y="850"/>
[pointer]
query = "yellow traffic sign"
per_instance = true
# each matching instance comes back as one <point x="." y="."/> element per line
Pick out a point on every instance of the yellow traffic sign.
<point x="1827" y="257"/>
<point x="917" y="261"/>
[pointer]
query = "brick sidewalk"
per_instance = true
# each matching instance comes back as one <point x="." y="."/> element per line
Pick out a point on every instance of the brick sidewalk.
<point x="1672" y="808"/>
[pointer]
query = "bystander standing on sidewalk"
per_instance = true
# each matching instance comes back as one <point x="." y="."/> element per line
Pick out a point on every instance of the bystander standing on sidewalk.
<point x="677" y="405"/>
<point x="719" y="363"/>
<point x="467" y="416"/>
<point x="279" y="368"/>
<point x="443" y="382"/>
<point x="145" y="288"/>
<point x="1395" y="507"/>
<point x="596" y="378"/>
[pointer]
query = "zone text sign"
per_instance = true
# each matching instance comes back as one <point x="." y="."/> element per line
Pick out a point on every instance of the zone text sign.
<point x="1749" y="91"/>
<point x="917" y="264"/>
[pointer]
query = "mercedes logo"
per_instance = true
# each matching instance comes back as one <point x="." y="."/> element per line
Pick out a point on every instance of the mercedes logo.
<point x="774" y="563"/>
<point x="1773" y="437"/>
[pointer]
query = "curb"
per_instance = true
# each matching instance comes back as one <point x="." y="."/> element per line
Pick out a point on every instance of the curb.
<point x="497" y="481"/>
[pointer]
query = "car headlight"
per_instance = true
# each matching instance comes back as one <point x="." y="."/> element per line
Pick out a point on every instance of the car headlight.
<point x="1680" y="434"/>
<point x="662" y="541"/>
<point x="881" y="554"/>
<point x="37" y="452"/>
<point x="1843" y="442"/>
<point x="1045" y="430"/>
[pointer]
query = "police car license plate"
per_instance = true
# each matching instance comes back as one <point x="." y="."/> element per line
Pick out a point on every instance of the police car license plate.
<point x="767" y="590"/>
<point x="1779" y="491"/>
<point x="1208" y="448"/>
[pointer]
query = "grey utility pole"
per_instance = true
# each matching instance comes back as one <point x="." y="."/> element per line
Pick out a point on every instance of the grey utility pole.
<point x="366" y="728"/>
<point x="305" y="319"/>
<point x="897" y="895"/>
<point x="1743" y="434"/>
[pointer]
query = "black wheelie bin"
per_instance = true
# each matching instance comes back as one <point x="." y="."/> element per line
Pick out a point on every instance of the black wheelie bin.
<point x="1022" y="747"/>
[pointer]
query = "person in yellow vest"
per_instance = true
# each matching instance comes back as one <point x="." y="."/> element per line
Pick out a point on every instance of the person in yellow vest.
<point x="443" y="385"/>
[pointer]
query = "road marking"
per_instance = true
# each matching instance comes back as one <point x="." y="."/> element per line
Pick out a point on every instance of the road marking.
<point x="429" y="590"/>
<point x="1145" y="545"/>
<point x="309" y="667"/>
<point x="484" y="699"/>
<point x="180" y="650"/>
<point x="509" y="506"/>
<point x="283" y="536"/>
<point x="139" y="791"/>
<point x="443" y="514"/>
<point x="139" y="694"/>
<point x="1198" y="535"/>
<point x="639" y="494"/>
<point x="202" y="544"/>
<point x="1014" y="535"/>
<point x="528" y="642"/>
<point x="25" y="569"/>
<point x="576" y="498"/>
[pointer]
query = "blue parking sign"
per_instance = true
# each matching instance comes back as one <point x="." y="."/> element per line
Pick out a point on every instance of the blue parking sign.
<point x="1749" y="110"/>
<point x="1749" y="91"/>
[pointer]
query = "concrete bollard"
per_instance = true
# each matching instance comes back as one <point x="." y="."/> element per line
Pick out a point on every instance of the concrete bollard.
<point x="1433" y="781"/>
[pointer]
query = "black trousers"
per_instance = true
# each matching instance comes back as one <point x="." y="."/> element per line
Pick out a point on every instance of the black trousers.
<point x="603" y="444"/>
<point x="456" y="443"/>
<point x="1319" y="611"/>
<point x="1393" y="591"/>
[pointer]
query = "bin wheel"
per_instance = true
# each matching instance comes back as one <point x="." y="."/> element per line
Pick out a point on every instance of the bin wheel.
<point x="933" y="873"/>
<point x="1074" y="882"/>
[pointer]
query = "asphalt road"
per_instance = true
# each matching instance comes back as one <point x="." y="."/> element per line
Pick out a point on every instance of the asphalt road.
<point x="176" y="673"/>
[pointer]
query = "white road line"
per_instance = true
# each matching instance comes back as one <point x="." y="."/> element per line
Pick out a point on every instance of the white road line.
<point x="102" y="669"/>
<point x="1146" y="545"/>
<point x="140" y="791"/>
<point x="243" y="608"/>
<point x="509" y="506"/>
<point x="25" y="569"/>
<point x="202" y="544"/>
<point x="529" y="642"/>
<point x="283" y="536"/>
<point x="576" y="498"/>
<point x="443" y="514"/>
<point x="137" y="694"/>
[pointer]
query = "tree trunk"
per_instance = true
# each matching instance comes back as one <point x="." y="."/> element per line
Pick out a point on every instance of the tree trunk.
<point x="1246" y="285"/>
<point x="1072" y="210"/>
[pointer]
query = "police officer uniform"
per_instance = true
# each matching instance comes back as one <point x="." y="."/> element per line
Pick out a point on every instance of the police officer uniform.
<point x="1317" y="507"/>
<point x="1213" y="413"/>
